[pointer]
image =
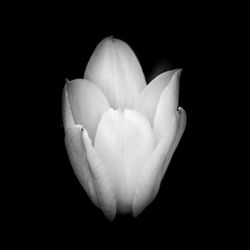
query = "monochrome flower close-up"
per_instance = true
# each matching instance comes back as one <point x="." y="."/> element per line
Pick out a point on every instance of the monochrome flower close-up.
<point x="120" y="132"/>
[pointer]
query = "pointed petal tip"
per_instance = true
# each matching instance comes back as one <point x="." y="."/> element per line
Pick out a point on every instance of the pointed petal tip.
<point x="166" y="76"/>
<point x="110" y="42"/>
<point x="182" y="116"/>
<point x="178" y="71"/>
<point x="71" y="84"/>
<point x="174" y="73"/>
<point x="106" y="40"/>
<point x="111" y="39"/>
<point x="174" y="82"/>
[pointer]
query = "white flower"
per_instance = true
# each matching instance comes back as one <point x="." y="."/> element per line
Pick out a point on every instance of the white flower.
<point x="120" y="133"/>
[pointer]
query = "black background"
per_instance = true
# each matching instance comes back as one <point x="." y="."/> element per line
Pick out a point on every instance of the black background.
<point x="190" y="204"/>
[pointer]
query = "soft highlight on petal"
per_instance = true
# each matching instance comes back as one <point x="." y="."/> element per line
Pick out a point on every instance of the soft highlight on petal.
<point x="165" y="117"/>
<point x="87" y="103"/>
<point x="181" y="125"/>
<point x="115" y="69"/>
<point x="101" y="179"/>
<point x="148" y="182"/>
<point x="124" y="143"/>
<point x="147" y="101"/>
<point x="150" y="179"/>
<point x="79" y="161"/>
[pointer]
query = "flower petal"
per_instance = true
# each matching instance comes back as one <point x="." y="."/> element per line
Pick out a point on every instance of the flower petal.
<point x="79" y="162"/>
<point x="101" y="178"/>
<point x="76" y="150"/>
<point x="85" y="162"/>
<point x="165" y="117"/>
<point x="148" y="184"/>
<point x="156" y="168"/>
<point x="124" y="143"/>
<point x="115" y="69"/>
<point x="181" y="125"/>
<point x="147" y="101"/>
<point x="87" y="103"/>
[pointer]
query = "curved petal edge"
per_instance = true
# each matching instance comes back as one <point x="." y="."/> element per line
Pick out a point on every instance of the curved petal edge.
<point x="165" y="117"/>
<point x="87" y="104"/>
<point x="115" y="69"/>
<point x="148" y="99"/>
<point x="125" y="143"/>
<point x="156" y="167"/>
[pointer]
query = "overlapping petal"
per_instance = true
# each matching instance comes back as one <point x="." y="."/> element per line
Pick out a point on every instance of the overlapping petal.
<point x="165" y="117"/>
<point x="149" y="182"/>
<point x="147" y="101"/>
<point x="87" y="103"/>
<point x="115" y="69"/>
<point x="124" y="143"/>
<point x="101" y="178"/>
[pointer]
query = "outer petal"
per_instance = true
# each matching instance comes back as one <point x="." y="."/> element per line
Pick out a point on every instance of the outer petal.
<point x="87" y="103"/>
<point x="155" y="169"/>
<point x="125" y="143"/>
<point x="104" y="188"/>
<point x="181" y="125"/>
<point x="75" y="148"/>
<point x="148" y="100"/>
<point x="78" y="159"/>
<point x="85" y="162"/>
<point x="116" y="70"/>
<point x="165" y="117"/>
